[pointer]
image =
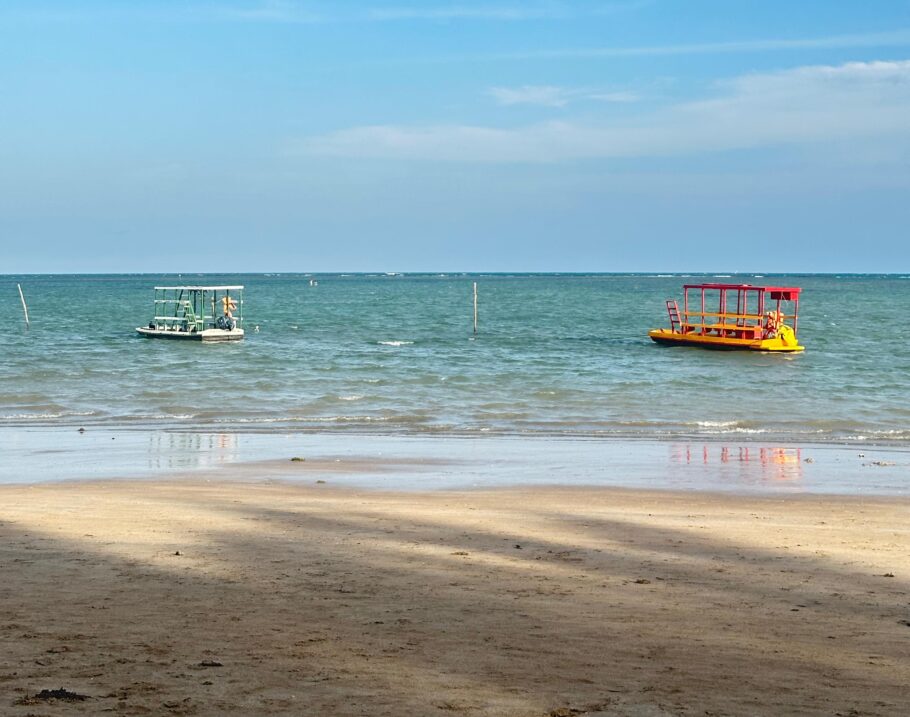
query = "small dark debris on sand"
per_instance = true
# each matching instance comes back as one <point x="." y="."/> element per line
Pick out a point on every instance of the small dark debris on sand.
<point x="210" y="663"/>
<point x="572" y="711"/>
<point x="47" y="695"/>
<point x="297" y="459"/>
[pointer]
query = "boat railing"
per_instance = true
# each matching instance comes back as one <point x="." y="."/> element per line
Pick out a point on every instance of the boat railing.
<point x="180" y="314"/>
<point x="726" y="324"/>
<point x="737" y="317"/>
<point x="719" y="321"/>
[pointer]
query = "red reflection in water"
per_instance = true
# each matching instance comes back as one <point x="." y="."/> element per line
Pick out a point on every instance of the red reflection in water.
<point x="772" y="463"/>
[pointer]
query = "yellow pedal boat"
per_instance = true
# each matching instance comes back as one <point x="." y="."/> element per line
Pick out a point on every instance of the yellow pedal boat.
<point x="746" y="317"/>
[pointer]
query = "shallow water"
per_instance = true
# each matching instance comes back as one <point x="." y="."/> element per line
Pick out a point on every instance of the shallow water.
<point x="555" y="355"/>
<point x="35" y="455"/>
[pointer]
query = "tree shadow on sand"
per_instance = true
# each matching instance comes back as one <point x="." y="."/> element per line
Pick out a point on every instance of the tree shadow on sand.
<point x="347" y="604"/>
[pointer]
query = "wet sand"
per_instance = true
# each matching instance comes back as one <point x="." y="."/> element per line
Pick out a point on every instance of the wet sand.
<point x="398" y="462"/>
<point x="200" y="596"/>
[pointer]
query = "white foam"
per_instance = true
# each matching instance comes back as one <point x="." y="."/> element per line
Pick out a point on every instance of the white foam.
<point x="41" y="416"/>
<point x="305" y="419"/>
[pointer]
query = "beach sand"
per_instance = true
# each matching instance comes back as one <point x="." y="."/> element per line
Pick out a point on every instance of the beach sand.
<point x="211" y="595"/>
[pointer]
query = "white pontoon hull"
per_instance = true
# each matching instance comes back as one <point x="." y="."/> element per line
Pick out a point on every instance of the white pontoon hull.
<point x="207" y="335"/>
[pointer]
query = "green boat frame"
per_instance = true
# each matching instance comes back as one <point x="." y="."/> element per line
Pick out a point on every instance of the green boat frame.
<point x="196" y="313"/>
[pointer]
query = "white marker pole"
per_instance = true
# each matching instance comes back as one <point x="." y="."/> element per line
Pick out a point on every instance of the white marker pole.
<point x="24" y="307"/>
<point x="475" y="308"/>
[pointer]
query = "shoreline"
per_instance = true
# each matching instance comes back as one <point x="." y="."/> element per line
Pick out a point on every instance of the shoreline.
<point x="429" y="463"/>
<point x="236" y="596"/>
<point x="740" y="435"/>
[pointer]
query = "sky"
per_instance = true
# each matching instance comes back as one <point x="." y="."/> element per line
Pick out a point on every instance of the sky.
<point x="488" y="135"/>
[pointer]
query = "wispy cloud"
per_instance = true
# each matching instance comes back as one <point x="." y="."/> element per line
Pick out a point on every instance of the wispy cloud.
<point x="528" y="11"/>
<point x="542" y="95"/>
<point x="855" y="101"/>
<point x="316" y="12"/>
<point x="264" y="11"/>
<point x="894" y="38"/>
<point x="289" y="11"/>
<point x="268" y="11"/>
<point x="258" y="11"/>
<point x="550" y="96"/>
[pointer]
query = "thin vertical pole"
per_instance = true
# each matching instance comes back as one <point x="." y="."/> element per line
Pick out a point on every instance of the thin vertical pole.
<point x="686" y="308"/>
<point x="25" y="308"/>
<point x="475" y="307"/>
<point x="724" y="309"/>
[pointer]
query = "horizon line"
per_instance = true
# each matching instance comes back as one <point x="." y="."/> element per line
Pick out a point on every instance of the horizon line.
<point x="656" y="273"/>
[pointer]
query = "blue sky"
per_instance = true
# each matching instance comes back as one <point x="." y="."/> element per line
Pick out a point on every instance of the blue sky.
<point x="285" y="135"/>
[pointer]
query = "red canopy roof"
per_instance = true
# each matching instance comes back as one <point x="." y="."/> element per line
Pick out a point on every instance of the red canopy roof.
<point x="785" y="293"/>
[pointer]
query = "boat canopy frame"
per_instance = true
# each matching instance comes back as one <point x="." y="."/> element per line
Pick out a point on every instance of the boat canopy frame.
<point x="184" y="308"/>
<point x="753" y="306"/>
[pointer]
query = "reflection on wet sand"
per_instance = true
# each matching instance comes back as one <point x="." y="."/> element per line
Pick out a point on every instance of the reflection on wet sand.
<point x="188" y="451"/>
<point x="439" y="463"/>
<point x="777" y="464"/>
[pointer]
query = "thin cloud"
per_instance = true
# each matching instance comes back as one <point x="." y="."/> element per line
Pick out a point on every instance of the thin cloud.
<point x="268" y="11"/>
<point x="542" y="95"/>
<point x="550" y="96"/>
<point x="261" y="11"/>
<point x="806" y="105"/>
<point x="312" y="12"/>
<point x="467" y="12"/>
<point x="895" y="38"/>
<point x="289" y="11"/>
<point x="617" y="97"/>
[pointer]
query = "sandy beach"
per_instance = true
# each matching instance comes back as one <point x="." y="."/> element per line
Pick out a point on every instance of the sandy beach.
<point x="210" y="595"/>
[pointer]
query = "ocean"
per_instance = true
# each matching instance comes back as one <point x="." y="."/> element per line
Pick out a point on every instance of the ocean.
<point x="555" y="355"/>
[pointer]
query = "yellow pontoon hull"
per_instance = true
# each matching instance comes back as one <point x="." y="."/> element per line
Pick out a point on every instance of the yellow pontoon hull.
<point x="674" y="338"/>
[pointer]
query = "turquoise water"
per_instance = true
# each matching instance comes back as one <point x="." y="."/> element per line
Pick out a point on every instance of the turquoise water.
<point x="555" y="355"/>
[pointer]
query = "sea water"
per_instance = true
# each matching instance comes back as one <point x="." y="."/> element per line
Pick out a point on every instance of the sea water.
<point x="554" y="355"/>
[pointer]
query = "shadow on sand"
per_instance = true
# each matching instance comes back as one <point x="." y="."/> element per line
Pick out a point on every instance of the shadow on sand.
<point x="264" y="599"/>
